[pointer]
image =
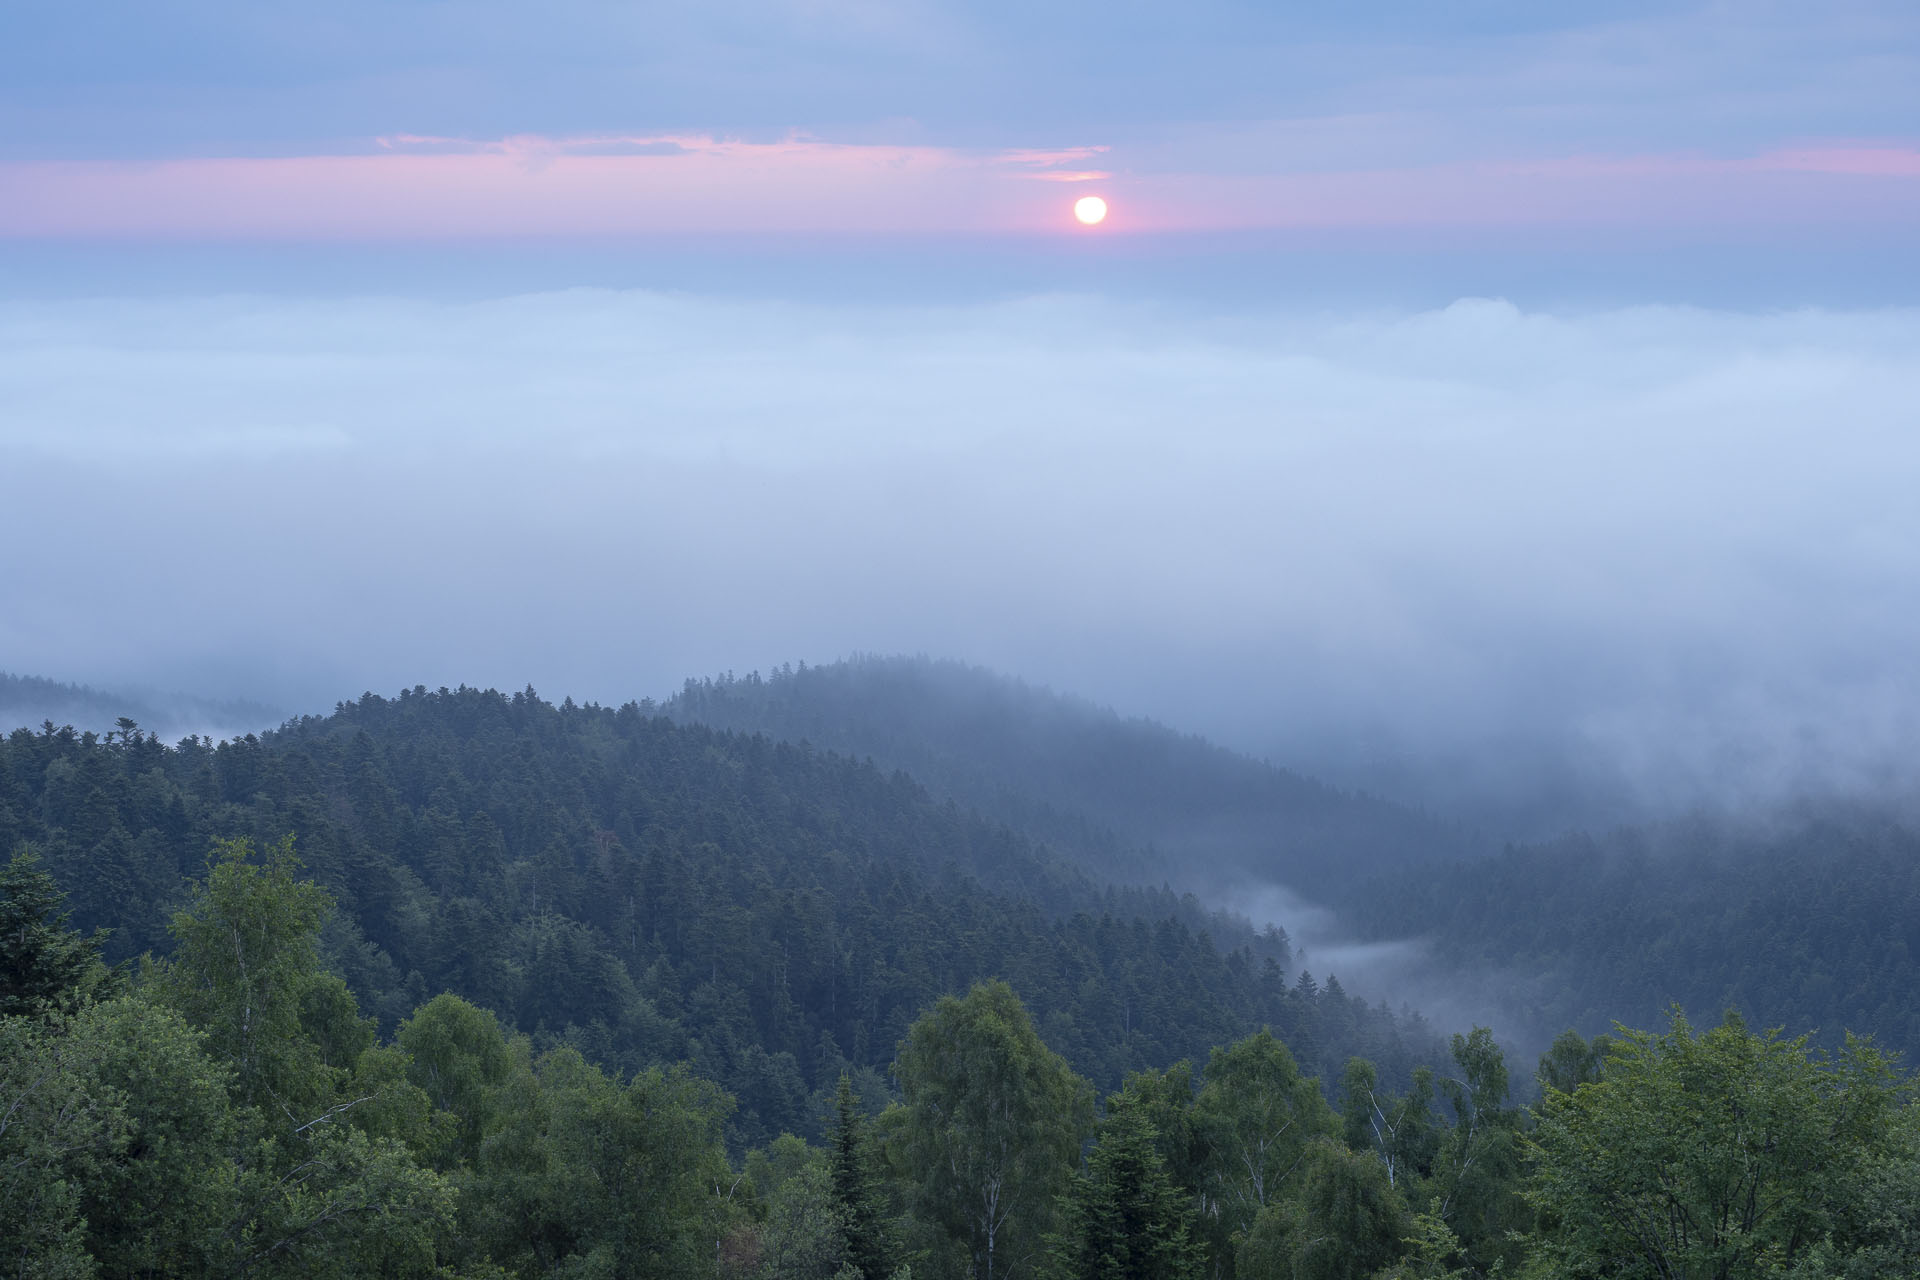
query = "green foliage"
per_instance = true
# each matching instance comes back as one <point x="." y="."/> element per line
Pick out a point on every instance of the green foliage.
<point x="646" y="891"/>
<point x="58" y="1129"/>
<point x="1257" y="1116"/>
<point x="44" y="966"/>
<point x="1124" y="1218"/>
<point x="1724" y="1154"/>
<point x="1164" y="1100"/>
<point x="868" y="1246"/>
<point x="234" y="1115"/>
<point x="459" y="1057"/>
<point x="160" y="1205"/>
<point x="1401" y="1130"/>
<point x="1431" y="1251"/>
<point x="805" y="1235"/>
<point x="989" y="1130"/>
<point x="245" y="965"/>
<point x="1477" y="1170"/>
<point x="1345" y="1223"/>
<point x="1572" y="1061"/>
<point x="348" y="1205"/>
<point x="1878" y="1226"/>
<point x="582" y="1174"/>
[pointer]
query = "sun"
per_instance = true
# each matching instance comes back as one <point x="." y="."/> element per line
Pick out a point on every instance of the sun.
<point x="1090" y="210"/>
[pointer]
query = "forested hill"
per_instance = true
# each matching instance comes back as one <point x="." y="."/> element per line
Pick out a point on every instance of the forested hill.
<point x="649" y="891"/>
<point x="1130" y="798"/>
<point x="1805" y="920"/>
<point x="1810" y="921"/>
<point x="31" y="701"/>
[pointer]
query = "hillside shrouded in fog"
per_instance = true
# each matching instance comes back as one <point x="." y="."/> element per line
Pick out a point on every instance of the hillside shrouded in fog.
<point x="1662" y="549"/>
<point x="1234" y="641"/>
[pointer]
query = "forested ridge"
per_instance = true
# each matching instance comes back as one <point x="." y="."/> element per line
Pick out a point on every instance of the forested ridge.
<point x="462" y="984"/>
<point x="1128" y="798"/>
<point x="652" y="892"/>
<point x="1806" y="917"/>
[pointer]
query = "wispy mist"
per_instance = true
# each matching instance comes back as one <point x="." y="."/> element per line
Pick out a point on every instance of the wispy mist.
<point x="1678" y="544"/>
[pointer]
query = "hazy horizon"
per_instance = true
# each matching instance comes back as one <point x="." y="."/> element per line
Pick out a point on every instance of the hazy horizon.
<point x="1518" y="402"/>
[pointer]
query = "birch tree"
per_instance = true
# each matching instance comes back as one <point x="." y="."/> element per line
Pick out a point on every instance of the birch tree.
<point x="990" y="1129"/>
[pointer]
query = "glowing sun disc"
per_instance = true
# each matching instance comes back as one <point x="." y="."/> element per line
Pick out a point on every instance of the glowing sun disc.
<point x="1089" y="209"/>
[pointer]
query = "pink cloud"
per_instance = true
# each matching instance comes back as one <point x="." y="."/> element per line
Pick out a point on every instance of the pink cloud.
<point x="418" y="186"/>
<point x="1869" y="161"/>
<point x="1879" y="162"/>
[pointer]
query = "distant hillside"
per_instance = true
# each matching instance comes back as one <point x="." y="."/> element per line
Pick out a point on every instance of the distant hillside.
<point x="1128" y="798"/>
<point x="30" y="701"/>
<point x="1808" y="920"/>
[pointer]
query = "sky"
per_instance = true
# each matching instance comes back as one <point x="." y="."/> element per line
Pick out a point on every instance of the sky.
<point x="1452" y="389"/>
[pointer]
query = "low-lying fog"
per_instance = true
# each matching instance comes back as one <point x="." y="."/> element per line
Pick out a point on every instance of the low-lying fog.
<point x="1402" y="972"/>
<point x="1628" y="560"/>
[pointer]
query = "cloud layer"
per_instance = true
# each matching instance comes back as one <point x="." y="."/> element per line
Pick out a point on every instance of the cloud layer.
<point x="1683" y="539"/>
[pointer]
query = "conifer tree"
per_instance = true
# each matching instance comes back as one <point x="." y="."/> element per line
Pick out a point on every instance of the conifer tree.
<point x="1124" y="1218"/>
<point x="856" y="1191"/>
<point x="44" y="966"/>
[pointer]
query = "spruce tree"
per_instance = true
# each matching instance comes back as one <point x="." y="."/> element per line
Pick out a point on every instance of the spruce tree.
<point x="856" y="1191"/>
<point x="1123" y="1218"/>
<point x="44" y="966"/>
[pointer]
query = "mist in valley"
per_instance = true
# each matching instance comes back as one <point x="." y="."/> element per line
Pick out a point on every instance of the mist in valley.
<point x="987" y="640"/>
<point x="1495" y="429"/>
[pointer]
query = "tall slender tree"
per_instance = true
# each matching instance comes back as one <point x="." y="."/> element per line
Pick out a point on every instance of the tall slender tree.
<point x="856" y="1190"/>
<point x="992" y="1126"/>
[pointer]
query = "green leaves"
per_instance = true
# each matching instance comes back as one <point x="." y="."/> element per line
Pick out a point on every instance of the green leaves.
<point x="246" y="959"/>
<point x="1256" y="1114"/>
<point x="1723" y="1154"/>
<point x="990" y="1130"/>
<point x="578" y="1171"/>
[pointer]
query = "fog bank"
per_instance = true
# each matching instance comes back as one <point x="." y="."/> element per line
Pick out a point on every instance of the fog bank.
<point x="1675" y="546"/>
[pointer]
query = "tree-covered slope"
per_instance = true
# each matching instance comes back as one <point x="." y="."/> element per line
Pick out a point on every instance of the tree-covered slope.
<point x="1810" y="922"/>
<point x="650" y="891"/>
<point x="1129" y="797"/>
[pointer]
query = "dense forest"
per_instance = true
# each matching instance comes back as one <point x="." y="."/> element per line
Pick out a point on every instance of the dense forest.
<point x="649" y="892"/>
<point x="461" y="984"/>
<point x="1808" y="917"/>
<point x="1810" y="920"/>
<point x="1127" y="798"/>
<point x="227" y="1111"/>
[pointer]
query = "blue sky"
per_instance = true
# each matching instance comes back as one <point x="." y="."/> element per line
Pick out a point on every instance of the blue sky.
<point x="162" y="79"/>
